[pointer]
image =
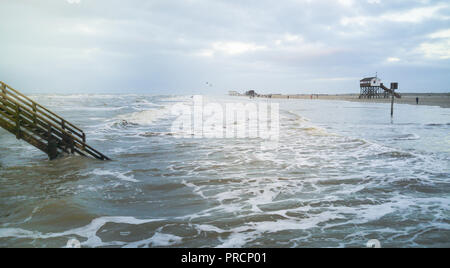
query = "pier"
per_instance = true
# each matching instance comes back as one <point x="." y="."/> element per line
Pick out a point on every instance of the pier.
<point x="372" y="88"/>
<point x="40" y="127"/>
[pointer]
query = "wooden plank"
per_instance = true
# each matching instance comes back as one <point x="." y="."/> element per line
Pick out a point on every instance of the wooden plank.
<point x="18" y="122"/>
<point x="28" y="138"/>
<point x="26" y="116"/>
<point x="26" y="125"/>
<point x="60" y="133"/>
<point x="34" y="106"/>
<point x="30" y="114"/>
<point x="391" y="92"/>
<point x="7" y="87"/>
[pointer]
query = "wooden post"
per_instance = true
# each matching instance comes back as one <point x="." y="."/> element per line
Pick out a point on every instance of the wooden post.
<point x="49" y="132"/>
<point x="52" y="146"/>
<point x="52" y="149"/>
<point x="84" y="141"/>
<point x="72" y="146"/>
<point x="394" y="86"/>
<point x="392" y="104"/>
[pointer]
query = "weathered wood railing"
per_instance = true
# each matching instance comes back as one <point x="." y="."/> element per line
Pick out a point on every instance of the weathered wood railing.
<point x="41" y="127"/>
<point x="390" y="91"/>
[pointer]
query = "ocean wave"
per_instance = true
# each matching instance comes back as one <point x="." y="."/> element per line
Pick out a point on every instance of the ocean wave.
<point x="316" y="131"/>
<point x="396" y="154"/>
<point x="155" y="134"/>
<point x="89" y="232"/>
<point x="124" y="124"/>
<point x="312" y="189"/>
<point x="407" y="137"/>
<point x="437" y="125"/>
<point x="144" y="118"/>
<point x="119" y="175"/>
<point x="93" y="109"/>
<point x="157" y="240"/>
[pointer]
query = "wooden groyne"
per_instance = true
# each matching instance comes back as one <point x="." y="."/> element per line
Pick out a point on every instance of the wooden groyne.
<point x="40" y="127"/>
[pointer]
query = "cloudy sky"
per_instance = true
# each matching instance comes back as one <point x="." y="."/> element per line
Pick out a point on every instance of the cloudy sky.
<point x="176" y="47"/>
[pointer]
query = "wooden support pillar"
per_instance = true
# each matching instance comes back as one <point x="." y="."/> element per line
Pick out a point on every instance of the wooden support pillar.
<point x="52" y="149"/>
<point x="394" y="86"/>
<point x="392" y="105"/>
<point x="52" y="145"/>
<point x="84" y="141"/>
<point x="72" y="146"/>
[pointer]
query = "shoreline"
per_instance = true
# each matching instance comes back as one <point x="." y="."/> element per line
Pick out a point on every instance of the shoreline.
<point x="430" y="99"/>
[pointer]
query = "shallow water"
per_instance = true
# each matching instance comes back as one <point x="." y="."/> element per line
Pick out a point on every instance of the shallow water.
<point x="343" y="173"/>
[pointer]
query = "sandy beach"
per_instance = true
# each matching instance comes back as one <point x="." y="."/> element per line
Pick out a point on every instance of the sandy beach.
<point x="431" y="99"/>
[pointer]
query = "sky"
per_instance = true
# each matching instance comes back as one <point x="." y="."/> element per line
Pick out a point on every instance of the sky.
<point x="213" y="46"/>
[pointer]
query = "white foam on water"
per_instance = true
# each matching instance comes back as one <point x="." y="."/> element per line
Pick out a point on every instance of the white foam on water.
<point x="412" y="136"/>
<point x="157" y="240"/>
<point x="83" y="96"/>
<point x="314" y="181"/>
<point x="120" y="175"/>
<point x="196" y="189"/>
<point x="176" y="98"/>
<point x="146" y="117"/>
<point x="18" y="233"/>
<point x="91" y="109"/>
<point x="249" y="232"/>
<point x="89" y="232"/>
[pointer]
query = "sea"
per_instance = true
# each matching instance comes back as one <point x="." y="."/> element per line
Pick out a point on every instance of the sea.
<point x="340" y="174"/>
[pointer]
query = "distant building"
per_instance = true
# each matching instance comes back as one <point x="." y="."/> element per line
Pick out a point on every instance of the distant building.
<point x="251" y="93"/>
<point x="233" y="93"/>
<point x="371" y="87"/>
<point x="370" y="82"/>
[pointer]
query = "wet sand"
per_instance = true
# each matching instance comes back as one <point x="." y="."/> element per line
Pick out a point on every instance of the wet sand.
<point x="431" y="99"/>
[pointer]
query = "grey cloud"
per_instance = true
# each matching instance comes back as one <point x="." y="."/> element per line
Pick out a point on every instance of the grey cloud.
<point x="174" y="47"/>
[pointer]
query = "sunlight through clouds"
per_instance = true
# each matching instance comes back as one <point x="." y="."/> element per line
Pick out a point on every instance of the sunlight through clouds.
<point x="73" y="1"/>
<point x="438" y="47"/>
<point x="392" y="59"/>
<point x="436" y="50"/>
<point x="233" y="48"/>
<point x="415" y="15"/>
